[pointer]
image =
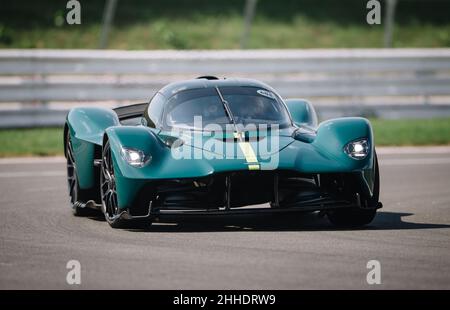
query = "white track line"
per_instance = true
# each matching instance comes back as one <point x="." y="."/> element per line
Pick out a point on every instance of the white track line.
<point x="30" y="174"/>
<point x="32" y="160"/>
<point x="388" y="150"/>
<point x="414" y="161"/>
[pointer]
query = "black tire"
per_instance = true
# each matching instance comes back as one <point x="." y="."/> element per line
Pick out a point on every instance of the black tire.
<point x="356" y="217"/>
<point x="108" y="191"/>
<point x="75" y="193"/>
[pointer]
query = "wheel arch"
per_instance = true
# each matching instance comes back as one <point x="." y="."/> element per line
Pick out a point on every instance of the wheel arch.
<point x="86" y="127"/>
<point x="130" y="180"/>
<point x="334" y="134"/>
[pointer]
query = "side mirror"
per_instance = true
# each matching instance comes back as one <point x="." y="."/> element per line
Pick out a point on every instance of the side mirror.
<point x="302" y="112"/>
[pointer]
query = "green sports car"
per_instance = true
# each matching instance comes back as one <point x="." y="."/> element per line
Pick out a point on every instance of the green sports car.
<point x="212" y="146"/>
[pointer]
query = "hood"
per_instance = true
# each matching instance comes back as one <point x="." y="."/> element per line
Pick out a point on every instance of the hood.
<point x="251" y="147"/>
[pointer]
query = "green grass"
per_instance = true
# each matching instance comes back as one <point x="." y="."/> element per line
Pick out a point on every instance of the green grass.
<point x="31" y="142"/>
<point x="48" y="141"/>
<point x="224" y="32"/>
<point x="412" y="132"/>
<point x="206" y="24"/>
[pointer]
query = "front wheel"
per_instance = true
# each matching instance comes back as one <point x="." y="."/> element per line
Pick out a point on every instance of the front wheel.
<point x="355" y="217"/>
<point x="108" y="191"/>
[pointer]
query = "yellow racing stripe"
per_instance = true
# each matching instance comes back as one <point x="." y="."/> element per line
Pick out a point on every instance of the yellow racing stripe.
<point x="249" y="153"/>
<point x="254" y="167"/>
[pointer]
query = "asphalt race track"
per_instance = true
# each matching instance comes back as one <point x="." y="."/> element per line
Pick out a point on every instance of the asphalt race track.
<point x="410" y="237"/>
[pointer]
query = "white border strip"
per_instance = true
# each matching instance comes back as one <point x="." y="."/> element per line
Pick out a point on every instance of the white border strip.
<point x="414" y="161"/>
<point x="32" y="160"/>
<point x="388" y="150"/>
<point x="30" y="174"/>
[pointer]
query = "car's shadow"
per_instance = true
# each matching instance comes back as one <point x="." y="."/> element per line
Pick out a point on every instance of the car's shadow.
<point x="281" y="222"/>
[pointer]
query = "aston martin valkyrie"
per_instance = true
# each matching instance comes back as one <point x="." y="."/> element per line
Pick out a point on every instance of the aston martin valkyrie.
<point x="212" y="146"/>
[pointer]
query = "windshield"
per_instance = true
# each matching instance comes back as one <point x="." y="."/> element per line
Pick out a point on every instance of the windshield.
<point x="248" y="105"/>
<point x="185" y="105"/>
<point x="252" y="105"/>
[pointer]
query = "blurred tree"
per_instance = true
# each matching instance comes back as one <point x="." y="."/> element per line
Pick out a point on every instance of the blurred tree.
<point x="249" y="12"/>
<point x="32" y="13"/>
<point x="108" y="17"/>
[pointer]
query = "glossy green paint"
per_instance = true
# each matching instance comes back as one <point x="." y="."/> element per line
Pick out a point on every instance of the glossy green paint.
<point x="86" y="126"/>
<point x="334" y="134"/>
<point x="90" y="123"/>
<point x="83" y="153"/>
<point x="208" y="152"/>
<point x="302" y="112"/>
<point x="323" y="155"/>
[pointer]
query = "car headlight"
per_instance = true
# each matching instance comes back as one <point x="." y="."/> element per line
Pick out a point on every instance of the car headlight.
<point x="357" y="149"/>
<point x="134" y="157"/>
